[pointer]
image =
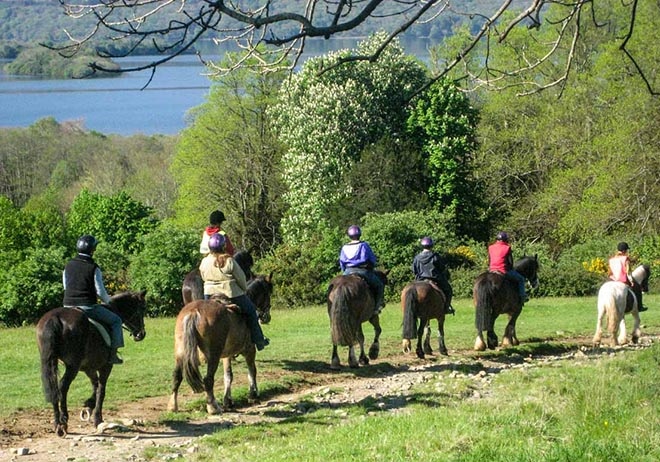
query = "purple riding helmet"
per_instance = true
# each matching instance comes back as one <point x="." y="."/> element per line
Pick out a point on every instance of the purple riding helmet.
<point x="502" y="236"/>
<point x="216" y="242"/>
<point x="426" y="242"/>
<point x="354" y="232"/>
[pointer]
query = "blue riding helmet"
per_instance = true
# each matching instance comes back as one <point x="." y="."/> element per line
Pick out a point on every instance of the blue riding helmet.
<point x="217" y="242"/>
<point x="354" y="232"/>
<point x="426" y="242"/>
<point x="502" y="236"/>
<point x="86" y="244"/>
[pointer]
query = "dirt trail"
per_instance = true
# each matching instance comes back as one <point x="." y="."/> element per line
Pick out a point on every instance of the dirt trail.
<point x="133" y="428"/>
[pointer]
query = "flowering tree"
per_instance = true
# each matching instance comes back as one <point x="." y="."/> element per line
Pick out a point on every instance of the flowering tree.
<point x="327" y="119"/>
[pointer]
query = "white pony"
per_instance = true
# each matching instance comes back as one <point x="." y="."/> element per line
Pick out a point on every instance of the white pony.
<point x="616" y="299"/>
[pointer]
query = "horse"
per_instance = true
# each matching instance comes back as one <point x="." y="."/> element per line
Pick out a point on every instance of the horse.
<point x="351" y="303"/>
<point x="213" y="328"/>
<point x="193" y="286"/>
<point x="67" y="334"/>
<point x="494" y="294"/>
<point x="616" y="299"/>
<point x="420" y="299"/>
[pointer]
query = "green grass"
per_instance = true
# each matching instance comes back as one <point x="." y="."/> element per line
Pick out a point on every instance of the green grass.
<point x="604" y="409"/>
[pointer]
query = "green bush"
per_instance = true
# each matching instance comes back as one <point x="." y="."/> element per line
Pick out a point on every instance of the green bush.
<point x="30" y="284"/>
<point x="167" y="255"/>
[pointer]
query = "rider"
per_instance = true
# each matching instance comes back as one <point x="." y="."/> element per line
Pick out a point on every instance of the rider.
<point x="83" y="282"/>
<point x="619" y="270"/>
<point x="356" y="257"/>
<point x="429" y="265"/>
<point x="500" y="260"/>
<point x="223" y="276"/>
<point x="215" y="226"/>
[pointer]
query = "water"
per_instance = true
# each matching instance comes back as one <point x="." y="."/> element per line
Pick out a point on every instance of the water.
<point x="119" y="105"/>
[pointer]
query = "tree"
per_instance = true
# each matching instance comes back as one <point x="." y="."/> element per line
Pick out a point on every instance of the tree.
<point x="286" y="25"/>
<point x="229" y="158"/>
<point x="326" y="120"/>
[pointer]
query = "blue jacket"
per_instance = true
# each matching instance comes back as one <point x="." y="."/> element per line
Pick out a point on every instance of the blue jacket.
<point x="357" y="254"/>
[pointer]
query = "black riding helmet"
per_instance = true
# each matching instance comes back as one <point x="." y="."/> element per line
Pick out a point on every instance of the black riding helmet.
<point x="86" y="244"/>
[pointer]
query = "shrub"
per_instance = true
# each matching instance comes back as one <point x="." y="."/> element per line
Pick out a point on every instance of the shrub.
<point x="167" y="255"/>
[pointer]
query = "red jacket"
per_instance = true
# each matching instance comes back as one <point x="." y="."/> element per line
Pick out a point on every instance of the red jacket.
<point x="500" y="257"/>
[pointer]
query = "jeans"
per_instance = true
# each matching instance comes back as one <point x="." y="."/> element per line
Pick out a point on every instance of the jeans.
<point x="103" y="315"/>
<point x="520" y="279"/>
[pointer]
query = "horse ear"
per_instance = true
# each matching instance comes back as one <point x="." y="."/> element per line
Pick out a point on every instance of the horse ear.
<point x="270" y="277"/>
<point x="143" y="294"/>
<point x="536" y="256"/>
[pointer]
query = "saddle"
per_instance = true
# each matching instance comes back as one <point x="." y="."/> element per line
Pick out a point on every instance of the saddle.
<point x="224" y="300"/>
<point x="101" y="328"/>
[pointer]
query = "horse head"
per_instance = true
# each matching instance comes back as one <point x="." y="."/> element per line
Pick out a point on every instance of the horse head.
<point x="131" y="307"/>
<point x="259" y="290"/>
<point x="382" y="275"/>
<point x="641" y="276"/>
<point x="528" y="266"/>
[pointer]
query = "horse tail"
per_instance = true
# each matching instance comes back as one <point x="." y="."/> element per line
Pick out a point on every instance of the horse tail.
<point x="483" y="300"/>
<point x="343" y="323"/>
<point x="189" y="356"/>
<point x="409" y="316"/>
<point x="48" y="335"/>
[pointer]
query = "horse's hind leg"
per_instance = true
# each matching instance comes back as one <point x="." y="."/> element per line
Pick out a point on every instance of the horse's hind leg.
<point x="509" y="338"/>
<point x="421" y="346"/>
<point x="374" y="349"/>
<point x="352" y="359"/>
<point x="253" y="393"/>
<point x="637" y="332"/>
<point x="479" y="343"/>
<point x="212" y="406"/>
<point x="599" y="327"/>
<point x="227" y="401"/>
<point x="623" y="335"/>
<point x="97" y="414"/>
<point x="90" y="403"/>
<point x="62" y="418"/>
<point x="335" y="363"/>
<point x="441" y="338"/>
<point x="177" y="378"/>
<point x="427" y="338"/>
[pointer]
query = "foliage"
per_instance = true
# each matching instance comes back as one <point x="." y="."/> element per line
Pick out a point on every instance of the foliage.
<point x="230" y="159"/>
<point x="48" y="63"/>
<point x="117" y="220"/>
<point x="30" y="283"/>
<point x="443" y="121"/>
<point x="167" y="254"/>
<point x="327" y="119"/>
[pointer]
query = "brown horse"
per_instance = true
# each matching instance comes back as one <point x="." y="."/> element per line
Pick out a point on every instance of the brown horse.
<point x="494" y="294"/>
<point x="215" y="329"/>
<point x="66" y="334"/>
<point x="351" y="303"/>
<point x="420" y="299"/>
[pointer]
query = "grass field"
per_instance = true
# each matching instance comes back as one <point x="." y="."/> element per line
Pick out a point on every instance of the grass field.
<point x="605" y="409"/>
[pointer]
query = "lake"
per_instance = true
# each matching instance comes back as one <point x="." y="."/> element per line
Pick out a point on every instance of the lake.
<point x="119" y="105"/>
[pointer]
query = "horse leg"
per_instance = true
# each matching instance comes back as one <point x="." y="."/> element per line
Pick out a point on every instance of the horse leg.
<point x="97" y="414"/>
<point x="62" y="417"/>
<point x="352" y="359"/>
<point x="427" y="338"/>
<point x="374" y="349"/>
<point x="623" y="335"/>
<point x="599" y="327"/>
<point x="509" y="338"/>
<point x="420" y="334"/>
<point x="212" y="406"/>
<point x="335" y="364"/>
<point x="636" y="333"/>
<point x="441" y="337"/>
<point x="493" y="341"/>
<point x="363" y="357"/>
<point x="253" y="393"/>
<point x="90" y="403"/>
<point x="227" y="401"/>
<point x="177" y="378"/>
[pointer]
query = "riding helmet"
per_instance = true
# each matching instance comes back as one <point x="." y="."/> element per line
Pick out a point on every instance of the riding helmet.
<point x="217" y="242"/>
<point x="354" y="232"/>
<point x="216" y="217"/>
<point x="502" y="236"/>
<point x="622" y="247"/>
<point x="86" y="244"/>
<point x="426" y="242"/>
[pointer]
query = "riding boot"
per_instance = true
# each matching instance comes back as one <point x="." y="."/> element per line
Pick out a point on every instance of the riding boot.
<point x="114" y="357"/>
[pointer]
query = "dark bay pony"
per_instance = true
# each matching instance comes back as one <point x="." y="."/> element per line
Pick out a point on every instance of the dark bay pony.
<point x="421" y="300"/>
<point x="494" y="295"/>
<point x="351" y="303"/>
<point x="193" y="286"/>
<point x="216" y="330"/>
<point x="66" y="334"/>
<point x="615" y="299"/>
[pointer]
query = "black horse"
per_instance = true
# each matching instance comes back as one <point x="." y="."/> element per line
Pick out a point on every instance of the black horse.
<point x="66" y="334"/>
<point x="193" y="286"/>
<point x="495" y="294"/>
<point x="351" y="303"/>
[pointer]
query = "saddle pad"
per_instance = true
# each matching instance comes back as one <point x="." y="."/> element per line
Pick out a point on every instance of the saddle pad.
<point x="102" y="330"/>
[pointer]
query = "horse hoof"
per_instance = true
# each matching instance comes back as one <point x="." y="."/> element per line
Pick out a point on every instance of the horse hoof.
<point x="444" y="352"/>
<point x="420" y="354"/>
<point x="85" y="414"/>
<point x="61" y="430"/>
<point x="635" y="340"/>
<point x="374" y="350"/>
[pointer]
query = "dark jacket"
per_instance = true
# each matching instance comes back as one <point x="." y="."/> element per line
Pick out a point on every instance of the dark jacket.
<point x="429" y="265"/>
<point x="79" y="274"/>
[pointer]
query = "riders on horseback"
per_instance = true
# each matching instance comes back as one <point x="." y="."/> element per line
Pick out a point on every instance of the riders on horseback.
<point x="215" y="226"/>
<point x="500" y="260"/>
<point x="356" y="257"/>
<point x="223" y="276"/>
<point x="619" y="270"/>
<point x="83" y="283"/>
<point x="430" y="266"/>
